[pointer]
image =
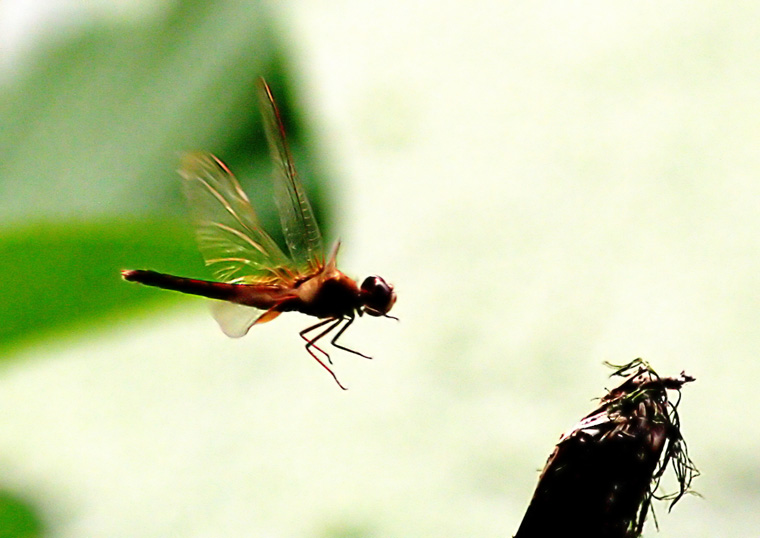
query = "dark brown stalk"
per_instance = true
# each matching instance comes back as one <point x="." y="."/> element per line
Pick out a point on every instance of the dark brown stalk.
<point x="603" y="474"/>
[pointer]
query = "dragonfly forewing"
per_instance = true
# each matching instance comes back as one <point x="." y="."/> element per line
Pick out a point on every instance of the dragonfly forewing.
<point x="299" y="225"/>
<point x="229" y="235"/>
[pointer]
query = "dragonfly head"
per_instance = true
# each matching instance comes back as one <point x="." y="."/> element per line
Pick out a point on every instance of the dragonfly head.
<point x="377" y="296"/>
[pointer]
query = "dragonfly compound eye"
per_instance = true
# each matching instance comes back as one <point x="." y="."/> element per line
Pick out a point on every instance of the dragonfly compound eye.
<point x="378" y="296"/>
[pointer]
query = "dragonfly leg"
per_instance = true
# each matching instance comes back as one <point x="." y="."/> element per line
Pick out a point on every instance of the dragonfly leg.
<point x="311" y="343"/>
<point x="335" y="343"/>
<point x="326" y="368"/>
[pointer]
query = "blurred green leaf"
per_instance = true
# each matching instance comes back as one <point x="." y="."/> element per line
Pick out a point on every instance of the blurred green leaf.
<point x="17" y="518"/>
<point x="91" y="138"/>
<point x="98" y="123"/>
<point x="64" y="276"/>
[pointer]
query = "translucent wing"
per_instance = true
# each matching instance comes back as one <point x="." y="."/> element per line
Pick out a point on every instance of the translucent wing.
<point x="296" y="216"/>
<point x="229" y="235"/>
<point x="234" y="319"/>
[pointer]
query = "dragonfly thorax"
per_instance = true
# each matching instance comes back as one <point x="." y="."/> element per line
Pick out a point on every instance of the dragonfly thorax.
<point x="333" y="297"/>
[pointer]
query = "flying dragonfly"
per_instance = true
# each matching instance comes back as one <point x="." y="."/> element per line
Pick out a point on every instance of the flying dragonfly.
<point x="258" y="281"/>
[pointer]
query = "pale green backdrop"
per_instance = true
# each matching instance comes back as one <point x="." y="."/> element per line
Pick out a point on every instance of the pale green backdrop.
<point x="548" y="185"/>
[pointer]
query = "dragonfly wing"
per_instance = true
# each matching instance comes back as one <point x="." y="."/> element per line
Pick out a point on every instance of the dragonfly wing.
<point x="228" y="232"/>
<point x="299" y="226"/>
<point x="234" y="319"/>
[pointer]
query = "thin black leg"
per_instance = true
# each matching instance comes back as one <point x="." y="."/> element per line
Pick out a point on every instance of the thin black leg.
<point x="335" y="343"/>
<point x="311" y="343"/>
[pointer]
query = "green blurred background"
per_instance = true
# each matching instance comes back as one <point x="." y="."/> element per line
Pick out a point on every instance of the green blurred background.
<point x="548" y="186"/>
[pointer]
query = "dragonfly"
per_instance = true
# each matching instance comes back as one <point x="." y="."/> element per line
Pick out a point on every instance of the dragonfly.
<point x="257" y="280"/>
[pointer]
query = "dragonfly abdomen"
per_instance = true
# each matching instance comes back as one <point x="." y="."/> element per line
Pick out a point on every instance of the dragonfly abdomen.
<point x="261" y="296"/>
<point x="204" y="288"/>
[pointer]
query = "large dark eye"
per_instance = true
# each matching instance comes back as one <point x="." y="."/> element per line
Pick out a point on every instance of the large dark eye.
<point x="377" y="296"/>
